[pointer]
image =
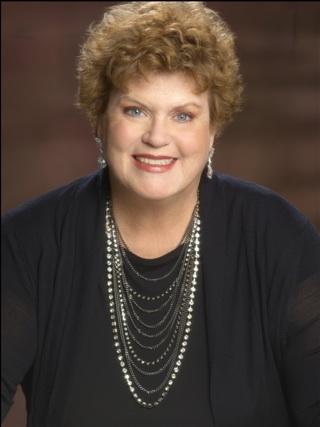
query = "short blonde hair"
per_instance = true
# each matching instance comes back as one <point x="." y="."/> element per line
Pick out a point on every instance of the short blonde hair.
<point x="136" y="38"/>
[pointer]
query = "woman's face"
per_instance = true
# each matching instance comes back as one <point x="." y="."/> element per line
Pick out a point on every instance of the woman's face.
<point x="157" y="136"/>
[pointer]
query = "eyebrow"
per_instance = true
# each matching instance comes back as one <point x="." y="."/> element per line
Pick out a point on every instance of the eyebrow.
<point x="194" y="104"/>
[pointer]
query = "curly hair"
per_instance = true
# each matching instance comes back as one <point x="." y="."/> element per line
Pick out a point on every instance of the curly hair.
<point x="136" y="38"/>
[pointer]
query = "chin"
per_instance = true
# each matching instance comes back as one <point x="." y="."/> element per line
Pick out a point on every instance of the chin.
<point x="155" y="190"/>
<point x="155" y="195"/>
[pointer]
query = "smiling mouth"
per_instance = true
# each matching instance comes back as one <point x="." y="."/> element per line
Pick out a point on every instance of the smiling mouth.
<point x="155" y="161"/>
<point x="154" y="164"/>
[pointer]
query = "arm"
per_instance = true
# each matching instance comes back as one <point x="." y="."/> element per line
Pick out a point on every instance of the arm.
<point x="18" y="326"/>
<point x="301" y="349"/>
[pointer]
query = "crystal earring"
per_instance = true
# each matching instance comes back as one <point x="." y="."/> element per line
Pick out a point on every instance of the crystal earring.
<point x="210" y="164"/>
<point x="101" y="161"/>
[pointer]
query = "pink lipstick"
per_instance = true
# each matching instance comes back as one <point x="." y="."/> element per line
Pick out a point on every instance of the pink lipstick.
<point x="154" y="164"/>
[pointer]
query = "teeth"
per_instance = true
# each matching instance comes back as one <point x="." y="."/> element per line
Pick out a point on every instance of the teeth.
<point x="155" y="162"/>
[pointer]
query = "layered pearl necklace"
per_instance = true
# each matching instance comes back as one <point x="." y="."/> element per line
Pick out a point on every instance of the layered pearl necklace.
<point x="131" y="313"/>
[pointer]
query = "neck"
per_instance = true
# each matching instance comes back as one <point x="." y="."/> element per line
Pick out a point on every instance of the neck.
<point x="152" y="228"/>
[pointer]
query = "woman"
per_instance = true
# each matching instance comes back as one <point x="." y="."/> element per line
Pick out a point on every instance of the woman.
<point x="155" y="290"/>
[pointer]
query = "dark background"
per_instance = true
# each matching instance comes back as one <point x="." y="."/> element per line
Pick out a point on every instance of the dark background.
<point x="275" y="141"/>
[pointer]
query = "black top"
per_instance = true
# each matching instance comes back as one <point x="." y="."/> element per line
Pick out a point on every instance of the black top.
<point x="187" y="403"/>
<point x="261" y="304"/>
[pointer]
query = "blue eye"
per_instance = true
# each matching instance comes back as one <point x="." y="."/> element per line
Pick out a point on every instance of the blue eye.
<point x="133" y="111"/>
<point x="184" y="117"/>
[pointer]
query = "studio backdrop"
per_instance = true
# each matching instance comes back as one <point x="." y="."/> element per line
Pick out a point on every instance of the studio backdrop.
<point x="274" y="141"/>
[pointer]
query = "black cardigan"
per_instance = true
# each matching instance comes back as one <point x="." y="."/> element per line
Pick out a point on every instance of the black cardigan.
<point x="261" y="268"/>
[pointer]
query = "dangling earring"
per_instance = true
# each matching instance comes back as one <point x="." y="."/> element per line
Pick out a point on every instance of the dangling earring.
<point x="210" y="164"/>
<point x="101" y="161"/>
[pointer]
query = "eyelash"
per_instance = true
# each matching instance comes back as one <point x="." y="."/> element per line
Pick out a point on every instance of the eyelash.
<point x="128" y="109"/>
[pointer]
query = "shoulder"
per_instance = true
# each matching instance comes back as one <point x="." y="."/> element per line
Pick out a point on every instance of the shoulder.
<point x="255" y="195"/>
<point x="277" y="237"/>
<point x="51" y="208"/>
<point x="258" y="209"/>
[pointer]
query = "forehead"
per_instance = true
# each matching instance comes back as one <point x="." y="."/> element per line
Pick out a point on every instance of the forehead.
<point x="168" y="88"/>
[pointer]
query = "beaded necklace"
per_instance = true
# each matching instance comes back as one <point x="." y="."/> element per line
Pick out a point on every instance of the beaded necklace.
<point x="132" y="316"/>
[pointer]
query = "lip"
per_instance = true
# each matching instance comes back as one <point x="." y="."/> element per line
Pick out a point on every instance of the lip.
<point x="151" y="156"/>
<point x="146" y="167"/>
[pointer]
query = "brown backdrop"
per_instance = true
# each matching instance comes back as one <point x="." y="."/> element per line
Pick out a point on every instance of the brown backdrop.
<point x="275" y="141"/>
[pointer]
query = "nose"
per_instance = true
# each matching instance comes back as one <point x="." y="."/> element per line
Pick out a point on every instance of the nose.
<point x="156" y="134"/>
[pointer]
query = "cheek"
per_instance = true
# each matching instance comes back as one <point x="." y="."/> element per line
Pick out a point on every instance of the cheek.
<point x="119" y="137"/>
<point x="197" y="143"/>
